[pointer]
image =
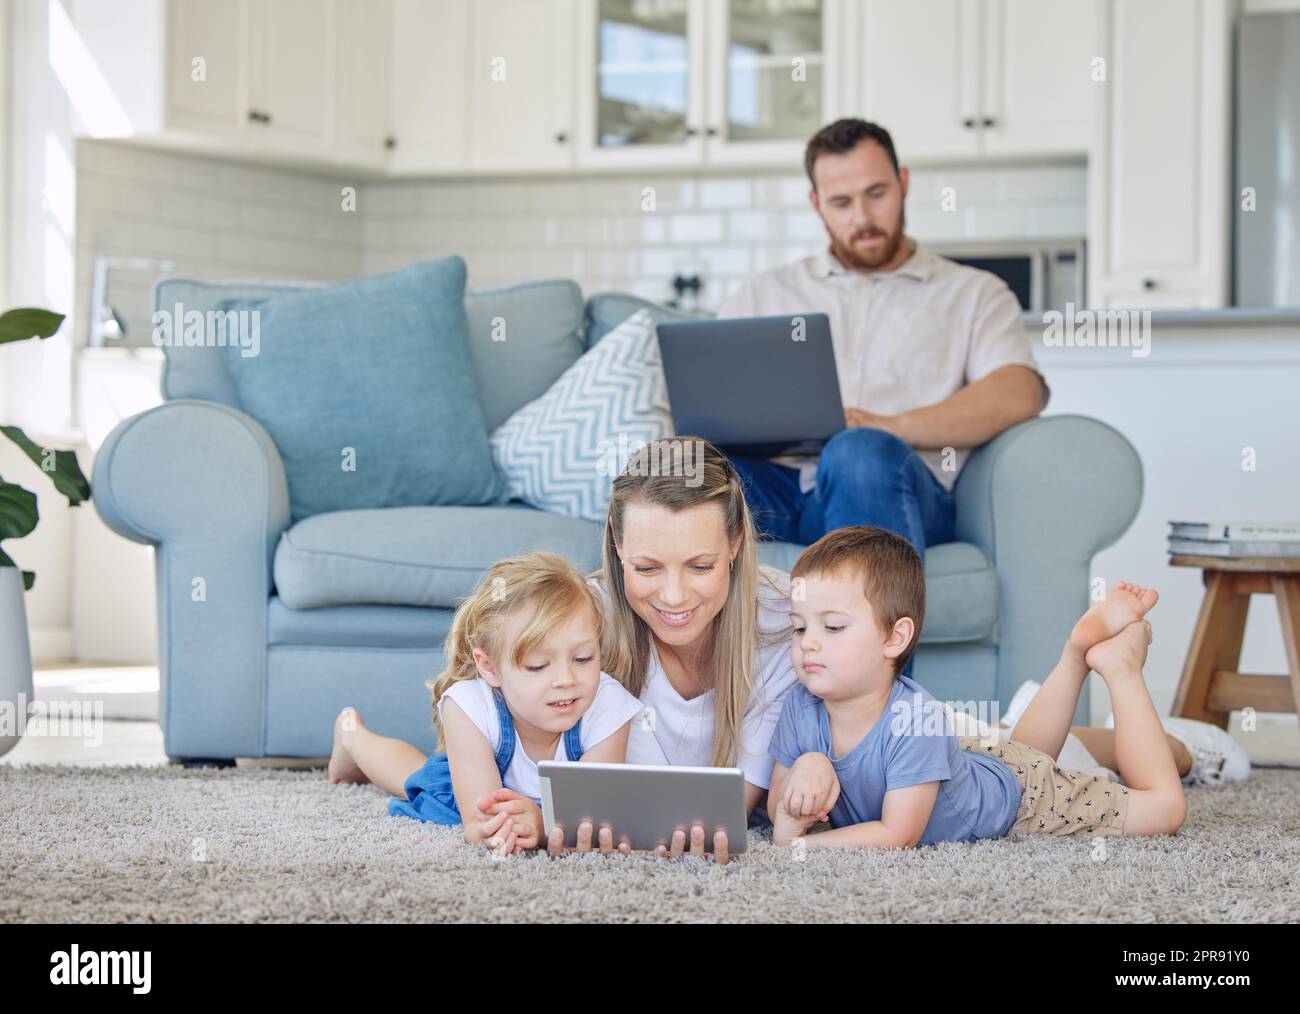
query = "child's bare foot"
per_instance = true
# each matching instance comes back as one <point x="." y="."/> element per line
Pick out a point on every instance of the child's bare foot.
<point x="342" y="767"/>
<point x="1124" y="604"/>
<point x="1121" y="655"/>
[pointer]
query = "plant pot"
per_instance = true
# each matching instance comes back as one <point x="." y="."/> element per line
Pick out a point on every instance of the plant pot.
<point x="15" y="659"/>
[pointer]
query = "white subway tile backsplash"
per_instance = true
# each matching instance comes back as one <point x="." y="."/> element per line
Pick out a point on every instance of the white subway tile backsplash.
<point x="726" y="194"/>
<point x="695" y="228"/>
<point x="221" y="220"/>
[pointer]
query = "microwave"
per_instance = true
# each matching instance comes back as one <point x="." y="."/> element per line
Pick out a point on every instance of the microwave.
<point x="1044" y="274"/>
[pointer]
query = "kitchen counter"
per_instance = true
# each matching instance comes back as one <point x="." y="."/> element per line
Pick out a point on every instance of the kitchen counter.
<point x="1225" y="316"/>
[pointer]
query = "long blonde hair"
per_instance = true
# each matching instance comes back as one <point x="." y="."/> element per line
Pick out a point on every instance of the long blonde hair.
<point x="546" y="582"/>
<point x="736" y="635"/>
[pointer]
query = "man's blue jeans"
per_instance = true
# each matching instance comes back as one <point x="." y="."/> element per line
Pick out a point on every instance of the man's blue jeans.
<point x="865" y="477"/>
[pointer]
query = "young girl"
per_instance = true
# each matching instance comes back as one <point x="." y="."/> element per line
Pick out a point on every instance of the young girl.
<point x="522" y="684"/>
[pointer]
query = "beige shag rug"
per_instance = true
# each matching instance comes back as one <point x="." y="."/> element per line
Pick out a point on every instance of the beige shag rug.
<point x="165" y="844"/>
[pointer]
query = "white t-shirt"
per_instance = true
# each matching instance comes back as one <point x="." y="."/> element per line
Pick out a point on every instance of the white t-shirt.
<point x="903" y="339"/>
<point x="672" y="730"/>
<point x="612" y="707"/>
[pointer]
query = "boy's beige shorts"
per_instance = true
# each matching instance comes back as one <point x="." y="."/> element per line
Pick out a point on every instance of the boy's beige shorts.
<point x="1056" y="800"/>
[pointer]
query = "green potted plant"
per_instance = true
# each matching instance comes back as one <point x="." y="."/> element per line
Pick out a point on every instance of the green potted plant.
<point x="18" y="517"/>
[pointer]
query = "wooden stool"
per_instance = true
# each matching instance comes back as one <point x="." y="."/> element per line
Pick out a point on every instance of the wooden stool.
<point x="1211" y="686"/>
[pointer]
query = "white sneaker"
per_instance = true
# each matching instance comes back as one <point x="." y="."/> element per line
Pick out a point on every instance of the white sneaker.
<point x="1216" y="756"/>
<point x="1020" y="702"/>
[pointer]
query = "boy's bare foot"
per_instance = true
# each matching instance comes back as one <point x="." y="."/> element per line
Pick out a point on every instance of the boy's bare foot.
<point x="342" y="767"/>
<point x="1124" y="604"/>
<point x="1123" y="654"/>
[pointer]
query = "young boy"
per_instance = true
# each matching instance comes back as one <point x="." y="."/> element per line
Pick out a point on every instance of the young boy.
<point x="871" y="751"/>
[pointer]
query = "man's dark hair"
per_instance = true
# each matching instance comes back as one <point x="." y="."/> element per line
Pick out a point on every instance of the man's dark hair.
<point x="845" y="135"/>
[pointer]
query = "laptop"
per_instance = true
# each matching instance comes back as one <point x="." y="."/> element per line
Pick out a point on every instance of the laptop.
<point x="754" y="386"/>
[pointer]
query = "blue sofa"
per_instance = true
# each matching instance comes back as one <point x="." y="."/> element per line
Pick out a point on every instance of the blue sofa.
<point x="297" y="620"/>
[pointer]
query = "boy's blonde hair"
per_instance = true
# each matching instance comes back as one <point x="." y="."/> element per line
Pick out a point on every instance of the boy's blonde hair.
<point x="893" y="578"/>
<point x="656" y="475"/>
<point x="545" y="582"/>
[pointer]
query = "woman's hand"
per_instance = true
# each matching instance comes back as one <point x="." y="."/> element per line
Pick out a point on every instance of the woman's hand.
<point x="678" y="845"/>
<point x="605" y="841"/>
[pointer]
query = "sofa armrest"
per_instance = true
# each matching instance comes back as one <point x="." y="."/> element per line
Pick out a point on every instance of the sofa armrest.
<point x="1041" y="499"/>
<point x="204" y="484"/>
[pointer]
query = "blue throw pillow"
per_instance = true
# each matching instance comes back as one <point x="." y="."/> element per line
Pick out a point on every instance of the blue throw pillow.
<point x="369" y="393"/>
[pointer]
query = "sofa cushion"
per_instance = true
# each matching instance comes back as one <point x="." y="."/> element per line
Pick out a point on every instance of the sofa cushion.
<point x="522" y="338"/>
<point x="368" y="391"/>
<point x="608" y="310"/>
<point x="433" y="556"/>
<point x="961" y="590"/>
<point x="561" y="451"/>
<point x="416" y="556"/>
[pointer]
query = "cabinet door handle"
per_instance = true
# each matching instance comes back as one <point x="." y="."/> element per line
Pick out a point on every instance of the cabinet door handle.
<point x="561" y="137"/>
<point x="713" y="132"/>
<point x="988" y="121"/>
<point x="390" y="142"/>
<point x="1148" y="283"/>
<point x="969" y="123"/>
<point x="691" y="131"/>
<point x="257" y="116"/>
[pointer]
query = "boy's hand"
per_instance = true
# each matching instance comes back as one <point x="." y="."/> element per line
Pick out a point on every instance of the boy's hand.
<point x="786" y="827"/>
<point x="506" y="812"/>
<point x="811" y="789"/>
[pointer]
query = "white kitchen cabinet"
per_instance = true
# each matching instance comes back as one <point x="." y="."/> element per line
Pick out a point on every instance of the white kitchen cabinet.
<point x="206" y="59"/>
<point x="1038" y="86"/>
<point x="1159" y="191"/>
<point x="520" y="84"/>
<point x="292" y="63"/>
<point x="429" y="110"/>
<point x="362" y="106"/>
<point x="962" y="79"/>
<point x="920" y="74"/>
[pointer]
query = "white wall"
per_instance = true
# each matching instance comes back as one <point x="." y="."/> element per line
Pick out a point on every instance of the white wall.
<point x="1190" y="407"/>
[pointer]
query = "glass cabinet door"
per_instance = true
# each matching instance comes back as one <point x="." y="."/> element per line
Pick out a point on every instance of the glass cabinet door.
<point x="643" y="79"/>
<point x="775" y="64"/>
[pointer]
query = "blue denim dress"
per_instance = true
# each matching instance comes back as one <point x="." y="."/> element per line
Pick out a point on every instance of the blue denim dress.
<point x="429" y="795"/>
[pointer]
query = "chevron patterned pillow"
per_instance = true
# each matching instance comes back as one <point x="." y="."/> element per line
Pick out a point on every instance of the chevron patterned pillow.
<point x="560" y="452"/>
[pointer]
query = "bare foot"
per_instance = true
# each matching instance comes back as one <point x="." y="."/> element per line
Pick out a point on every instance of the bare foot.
<point x="342" y="767"/>
<point x="1125" y="603"/>
<point x="1123" y="654"/>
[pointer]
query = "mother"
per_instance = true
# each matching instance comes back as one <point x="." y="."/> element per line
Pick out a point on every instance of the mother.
<point x="694" y="626"/>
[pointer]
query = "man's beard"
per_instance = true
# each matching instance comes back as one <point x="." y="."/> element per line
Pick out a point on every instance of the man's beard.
<point x="850" y="257"/>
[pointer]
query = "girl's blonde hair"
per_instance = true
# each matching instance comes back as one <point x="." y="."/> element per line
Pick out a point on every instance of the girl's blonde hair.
<point x="680" y="473"/>
<point x="546" y="583"/>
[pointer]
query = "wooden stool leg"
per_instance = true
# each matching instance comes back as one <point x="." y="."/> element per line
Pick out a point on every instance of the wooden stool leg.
<point x="1216" y="644"/>
<point x="1286" y="589"/>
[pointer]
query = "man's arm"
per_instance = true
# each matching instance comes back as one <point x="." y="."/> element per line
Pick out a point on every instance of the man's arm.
<point x="972" y="416"/>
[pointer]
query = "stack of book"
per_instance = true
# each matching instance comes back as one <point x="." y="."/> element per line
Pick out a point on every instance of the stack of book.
<point x="1234" y="538"/>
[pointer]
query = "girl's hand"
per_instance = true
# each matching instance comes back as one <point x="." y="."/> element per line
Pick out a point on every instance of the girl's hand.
<point x="506" y="841"/>
<point x="605" y="841"/>
<point x="522" y="812"/>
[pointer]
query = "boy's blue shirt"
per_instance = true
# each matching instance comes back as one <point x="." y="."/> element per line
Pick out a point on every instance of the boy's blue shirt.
<point x="912" y="742"/>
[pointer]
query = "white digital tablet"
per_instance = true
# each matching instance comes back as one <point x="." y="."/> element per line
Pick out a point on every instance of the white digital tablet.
<point x="643" y="804"/>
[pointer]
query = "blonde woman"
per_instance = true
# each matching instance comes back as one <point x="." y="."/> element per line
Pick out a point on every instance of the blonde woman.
<point x="523" y="683"/>
<point x="694" y="627"/>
